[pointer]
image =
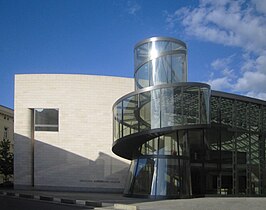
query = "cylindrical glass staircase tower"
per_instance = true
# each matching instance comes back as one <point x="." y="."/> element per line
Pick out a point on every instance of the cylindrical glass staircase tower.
<point x="160" y="61"/>
<point x="150" y="124"/>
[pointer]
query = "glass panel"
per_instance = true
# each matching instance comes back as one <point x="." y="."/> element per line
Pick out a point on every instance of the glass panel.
<point x="264" y="119"/>
<point x="205" y="106"/>
<point x="254" y="117"/>
<point x="150" y="147"/>
<point x="118" y="120"/>
<point x="241" y="114"/>
<point x="161" y="62"/>
<point x="242" y="141"/>
<point x="264" y="168"/>
<point x="176" y="46"/>
<point x="141" y="54"/>
<point x="129" y="182"/>
<point x="144" y="178"/>
<point x="215" y="109"/>
<point x="183" y="143"/>
<point x="163" y="46"/>
<point x="160" y="71"/>
<point x="174" y="178"/>
<point x="191" y="108"/>
<point x="254" y="163"/>
<point x="168" y="145"/>
<point x="145" y="111"/>
<point x="184" y="180"/>
<point x="162" y="177"/>
<point x="178" y="68"/>
<point x="142" y="77"/>
<point x="167" y="107"/>
<point x="115" y="129"/>
<point x="226" y="111"/>
<point x="155" y="109"/>
<point x="178" y="110"/>
<point x="160" y="173"/>
<point x="46" y="119"/>
<point x="130" y="122"/>
<point x="46" y="116"/>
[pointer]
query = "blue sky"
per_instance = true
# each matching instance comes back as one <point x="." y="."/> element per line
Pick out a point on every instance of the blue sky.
<point x="226" y="39"/>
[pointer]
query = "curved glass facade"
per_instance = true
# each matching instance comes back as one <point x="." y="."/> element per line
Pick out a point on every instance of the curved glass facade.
<point x="160" y="61"/>
<point x="164" y="106"/>
<point x="161" y="169"/>
<point x="185" y="140"/>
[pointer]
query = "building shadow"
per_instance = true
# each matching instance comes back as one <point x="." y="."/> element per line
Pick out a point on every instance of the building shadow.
<point x="41" y="166"/>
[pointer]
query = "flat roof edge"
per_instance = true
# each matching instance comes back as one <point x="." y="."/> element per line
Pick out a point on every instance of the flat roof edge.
<point x="238" y="97"/>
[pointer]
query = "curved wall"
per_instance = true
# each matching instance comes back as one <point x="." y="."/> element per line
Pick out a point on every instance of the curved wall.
<point x="78" y="156"/>
<point x="163" y="107"/>
<point x="160" y="60"/>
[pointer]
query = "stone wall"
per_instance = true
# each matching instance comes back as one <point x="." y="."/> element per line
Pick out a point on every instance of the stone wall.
<point x="78" y="156"/>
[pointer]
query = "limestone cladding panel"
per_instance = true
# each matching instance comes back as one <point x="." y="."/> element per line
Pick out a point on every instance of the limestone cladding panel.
<point x="79" y="155"/>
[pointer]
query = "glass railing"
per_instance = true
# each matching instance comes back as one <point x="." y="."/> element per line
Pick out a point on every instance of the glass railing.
<point x="161" y="107"/>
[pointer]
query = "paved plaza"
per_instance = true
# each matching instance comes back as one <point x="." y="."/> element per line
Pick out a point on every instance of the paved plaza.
<point x="108" y="201"/>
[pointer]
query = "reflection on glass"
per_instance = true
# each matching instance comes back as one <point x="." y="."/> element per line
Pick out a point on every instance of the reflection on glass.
<point x="161" y="169"/>
<point x="164" y="62"/>
<point x="130" y="121"/>
<point x="142" y="77"/>
<point x="129" y="182"/>
<point x="161" y="108"/>
<point x="167" y="107"/>
<point x="191" y="106"/>
<point x="118" y="121"/>
<point x="155" y="108"/>
<point x="144" y="175"/>
<point x="46" y="119"/>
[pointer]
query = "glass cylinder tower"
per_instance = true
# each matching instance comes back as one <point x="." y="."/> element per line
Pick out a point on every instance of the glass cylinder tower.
<point x="150" y="125"/>
<point x="160" y="61"/>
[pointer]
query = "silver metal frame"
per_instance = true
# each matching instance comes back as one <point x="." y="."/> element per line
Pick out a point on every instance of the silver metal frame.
<point x="161" y="38"/>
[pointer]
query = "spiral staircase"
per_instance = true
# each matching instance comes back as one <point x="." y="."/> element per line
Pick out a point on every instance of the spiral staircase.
<point x="182" y="138"/>
<point x="147" y="121"/>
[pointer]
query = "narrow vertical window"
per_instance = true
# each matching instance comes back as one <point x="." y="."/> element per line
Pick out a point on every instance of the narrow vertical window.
<point x="5" y="133"/>
<point x="46" y="119"/>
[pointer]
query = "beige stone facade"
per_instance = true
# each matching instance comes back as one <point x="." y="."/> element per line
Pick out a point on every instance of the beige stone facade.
<point x="78" y="156"/>
<point x="6" y="126"/>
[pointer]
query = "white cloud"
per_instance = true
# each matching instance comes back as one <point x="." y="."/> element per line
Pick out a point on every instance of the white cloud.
<point x="257" y="95"/>
<point x="255" y="81"/>
<point x="222" y="83"/>
<point x="221" y="63"/>
<point x="238" y="23"/>
<point x="248" y="64"/>
<point x="133" y="7"/>
<point x="224" y="22"/>
<point x="260" y="5"/>
<point x="225" y="74"/>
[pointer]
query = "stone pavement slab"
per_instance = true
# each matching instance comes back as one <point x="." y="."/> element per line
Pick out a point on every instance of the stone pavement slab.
<point x="108" y="201"/>
<point x="206" y="204"/>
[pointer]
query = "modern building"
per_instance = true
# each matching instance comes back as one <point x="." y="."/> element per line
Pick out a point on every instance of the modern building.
<point x="63" y="132"/>
<point x="182" y="138"/>
<point x="6" y="127"/>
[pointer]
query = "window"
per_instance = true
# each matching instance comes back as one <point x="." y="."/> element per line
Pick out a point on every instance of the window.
<point x="5" y="133"/>
<point x="46" y="119"/>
